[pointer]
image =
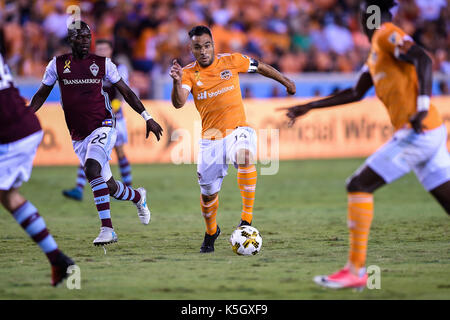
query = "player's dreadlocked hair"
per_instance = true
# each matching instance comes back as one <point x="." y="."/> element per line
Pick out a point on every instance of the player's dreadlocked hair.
<point x="384" y="5"/>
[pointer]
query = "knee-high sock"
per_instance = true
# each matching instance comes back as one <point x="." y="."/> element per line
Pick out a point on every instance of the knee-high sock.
<point x="126" y="193"/>
<point x="34" y="225"/>
<point x="81" y="178"/>
<point x="209" y="212"/>
<point x="102" y="200"/>
<point x="125" y="171"/>
<point x="246" y="178"/>
<point x="360" y="215"/>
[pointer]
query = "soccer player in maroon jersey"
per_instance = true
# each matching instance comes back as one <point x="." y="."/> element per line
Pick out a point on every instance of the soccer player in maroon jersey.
<point x="104" y="47"/>
<point x="91" y="122"/>
<point x="20" y="136"/>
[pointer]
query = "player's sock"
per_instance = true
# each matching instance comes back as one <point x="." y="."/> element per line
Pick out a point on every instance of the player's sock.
<point x="101" y="199"/>
<point x="126" y="193"/>
<point x="209" y="212"/>
<point x="125" y="171"/>
<point x="246" y="178"/>
<point x="81" y="179"/>
<point x="360" y="215"/>
<point x="34" y="225"/>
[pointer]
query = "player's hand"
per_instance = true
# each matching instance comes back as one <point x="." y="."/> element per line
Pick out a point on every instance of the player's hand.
<point x="176" y="72"/>
<point x="290" y="87"/>
<point x="294" y="112"/>
<point x="416" y="121"/>
<point x="154" y="127"/>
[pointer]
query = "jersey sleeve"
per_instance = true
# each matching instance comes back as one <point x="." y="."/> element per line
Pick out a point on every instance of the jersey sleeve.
<point x="244" y="63"/>
<point x="123" y="72"/>
<point x="186" y="81"/>
<point x="394" y="40"/>
<point x="50" y="75"/>
<point x="112" y="74"/>
<point x="364" y="68"/>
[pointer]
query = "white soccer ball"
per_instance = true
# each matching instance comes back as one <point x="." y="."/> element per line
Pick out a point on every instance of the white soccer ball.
<point x="246" y="241"/>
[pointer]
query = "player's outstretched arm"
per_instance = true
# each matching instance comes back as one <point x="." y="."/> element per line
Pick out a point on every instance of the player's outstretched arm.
<point x="40" y="96"/>
<point x="270" y="72"/>
<point x="136" y="104"/>
<point x="179" y="94"/>
<point x="346" y="96"/>
<point x="424" y="69"/>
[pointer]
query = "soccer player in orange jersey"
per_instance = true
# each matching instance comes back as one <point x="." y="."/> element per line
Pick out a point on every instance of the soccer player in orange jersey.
<point x="401" y="72"/>
<point x="213" y="81"/>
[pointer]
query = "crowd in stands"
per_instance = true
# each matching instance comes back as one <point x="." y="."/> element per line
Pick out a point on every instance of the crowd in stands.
<point x="292" y="35"/>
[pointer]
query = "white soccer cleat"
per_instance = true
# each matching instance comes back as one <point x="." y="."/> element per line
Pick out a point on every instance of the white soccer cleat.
<point x="143" y="210"/>
<point x="106" y="236"/>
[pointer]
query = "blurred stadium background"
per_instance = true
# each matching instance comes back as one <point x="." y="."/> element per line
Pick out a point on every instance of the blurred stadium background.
<point x="305" y="38"/>
<point x="319" y="44"/>
<point x="300" y="210"/>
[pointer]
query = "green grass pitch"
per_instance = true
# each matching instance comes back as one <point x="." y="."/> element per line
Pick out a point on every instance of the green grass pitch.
<point x="300" y="212"/>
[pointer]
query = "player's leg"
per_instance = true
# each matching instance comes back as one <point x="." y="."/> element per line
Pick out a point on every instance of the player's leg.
<point x="241" y="146"/>
<point x="27" y="216"/>
<point x="442" y="195"/>
<point x="246" y="179"/>
<point x="93" y="170"/>
<point x="360" y="189"/>
<point x="124" y="165"/>
<point x="209" y="205"/>
<point x="77" y="192"/>
<point x="211" y="169"/>
<point x="122" y="139"/>
<point x="434" y="174"/>
<point x="15" y="168"/>
<point x="390" y="162"/>
<point x="94" y="152"/>
<point x="100" y="190"/>
<point x="120" y="191"/>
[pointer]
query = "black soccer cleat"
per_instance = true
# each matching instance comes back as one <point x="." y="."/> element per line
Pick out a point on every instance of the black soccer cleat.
<point x="244" y="223"/>
<point x="208" y="242"/>
<point x="59" y="269"/>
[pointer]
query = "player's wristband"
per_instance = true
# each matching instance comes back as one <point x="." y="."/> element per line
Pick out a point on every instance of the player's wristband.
<point x="146" y="115"/>
<point x="423" y="103"/>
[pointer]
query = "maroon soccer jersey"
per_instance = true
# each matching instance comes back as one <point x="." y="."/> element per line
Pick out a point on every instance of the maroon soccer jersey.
<point x="16" y="120"/>
<point x="84" y="102"/>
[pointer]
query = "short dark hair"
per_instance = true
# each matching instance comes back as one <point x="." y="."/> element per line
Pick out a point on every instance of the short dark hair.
<point x="101" y="41"/>
<point x="199" y="30"/>
<point x="384" y="5"/>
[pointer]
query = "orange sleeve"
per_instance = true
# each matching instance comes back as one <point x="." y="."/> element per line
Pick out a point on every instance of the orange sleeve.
<point x="244" y="63"/>
<point x="186" y="80"/>
<point x="394" y="40"/>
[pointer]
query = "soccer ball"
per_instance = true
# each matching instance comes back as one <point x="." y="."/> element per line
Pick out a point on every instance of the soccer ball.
<point x="246" y="241"/>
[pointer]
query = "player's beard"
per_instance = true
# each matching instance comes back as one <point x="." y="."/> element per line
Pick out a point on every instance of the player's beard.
<point x="207" y="64"/>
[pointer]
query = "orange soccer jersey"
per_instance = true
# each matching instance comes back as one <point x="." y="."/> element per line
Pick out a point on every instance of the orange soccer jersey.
<point x="396" y="82"/>
<point x="217" y="93"/>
